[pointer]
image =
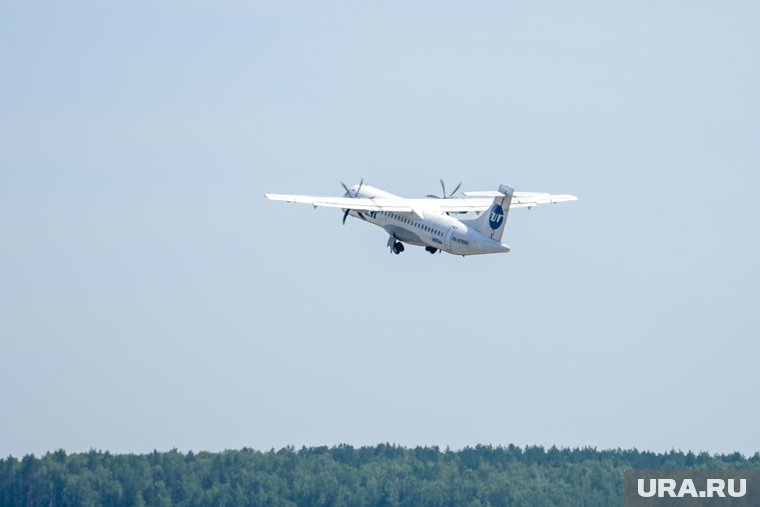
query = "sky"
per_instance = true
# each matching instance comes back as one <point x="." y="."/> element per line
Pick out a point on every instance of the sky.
<point x="151" y="298"/>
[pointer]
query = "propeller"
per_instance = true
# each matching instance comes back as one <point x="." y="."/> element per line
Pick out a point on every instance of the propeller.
<point x="445" y="195"/>
<point x="345" y="215"/>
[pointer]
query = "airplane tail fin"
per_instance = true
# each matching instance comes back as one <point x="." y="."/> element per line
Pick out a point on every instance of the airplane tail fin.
<point x="492" y="221"/>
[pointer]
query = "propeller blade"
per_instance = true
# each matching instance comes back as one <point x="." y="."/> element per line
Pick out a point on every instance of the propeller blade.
<point x="344" y="186"/>
<point x="360" y="187"/>
<point x="455" y="190"/>
<point x="443" y="187"/>
<point x="431" y="196"/>
<point x="345" y="215"/>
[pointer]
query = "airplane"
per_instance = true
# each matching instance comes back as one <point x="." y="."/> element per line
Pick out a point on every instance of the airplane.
<point x="427" y="221"/>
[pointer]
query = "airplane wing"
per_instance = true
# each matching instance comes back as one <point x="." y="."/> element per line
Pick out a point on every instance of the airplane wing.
<point x="527" y="199"/>
<point x="474" y="201"/>
<point x="396" y="204"/>
<point x="358" y="203"/>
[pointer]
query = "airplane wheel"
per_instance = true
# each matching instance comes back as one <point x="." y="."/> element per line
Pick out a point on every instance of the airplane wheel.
<point x="398" y="247"/>
<point x="431" y="249"/>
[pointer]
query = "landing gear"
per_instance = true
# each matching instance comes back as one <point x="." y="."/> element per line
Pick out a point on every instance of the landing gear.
<point x="431" y="249"/>
<point x="395" y="245"/>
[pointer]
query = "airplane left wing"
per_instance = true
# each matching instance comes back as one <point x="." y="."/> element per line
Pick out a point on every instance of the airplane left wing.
<point x="357" y="203"/>
<point x="396" y="204"/>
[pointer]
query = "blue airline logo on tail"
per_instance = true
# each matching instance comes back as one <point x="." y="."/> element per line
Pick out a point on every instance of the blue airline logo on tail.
<point x="497" y="216"/>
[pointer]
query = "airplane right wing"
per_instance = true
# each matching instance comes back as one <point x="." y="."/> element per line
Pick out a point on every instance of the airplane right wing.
<point x="528" y="199"/>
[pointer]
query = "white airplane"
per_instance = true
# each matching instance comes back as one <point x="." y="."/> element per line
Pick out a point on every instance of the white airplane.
<point x="426" y="222"/>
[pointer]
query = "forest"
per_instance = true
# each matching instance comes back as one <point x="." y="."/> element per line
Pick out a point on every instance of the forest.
<point x="382" y="475"/>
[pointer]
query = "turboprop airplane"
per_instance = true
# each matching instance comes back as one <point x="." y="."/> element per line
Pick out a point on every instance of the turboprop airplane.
<point x="427" y="222"/>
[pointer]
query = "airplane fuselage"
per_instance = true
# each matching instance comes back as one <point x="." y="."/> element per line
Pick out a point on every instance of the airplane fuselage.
<point x="434" y="230"/>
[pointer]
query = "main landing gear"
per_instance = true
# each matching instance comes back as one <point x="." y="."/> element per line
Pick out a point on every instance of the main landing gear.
<point x="431" y="249"/>
<point x="396" y="246"/>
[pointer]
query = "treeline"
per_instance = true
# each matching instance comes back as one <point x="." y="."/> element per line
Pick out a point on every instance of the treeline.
<point x="384" y="475"/>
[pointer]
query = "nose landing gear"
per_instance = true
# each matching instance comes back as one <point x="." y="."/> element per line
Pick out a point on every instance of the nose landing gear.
<point x="431" y="249"/>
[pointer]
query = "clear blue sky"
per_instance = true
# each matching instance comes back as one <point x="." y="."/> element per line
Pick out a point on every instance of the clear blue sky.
<point x="150" y="297"/>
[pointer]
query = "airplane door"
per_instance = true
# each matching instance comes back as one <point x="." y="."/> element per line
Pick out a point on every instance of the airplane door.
<point x="447" y="239"/>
